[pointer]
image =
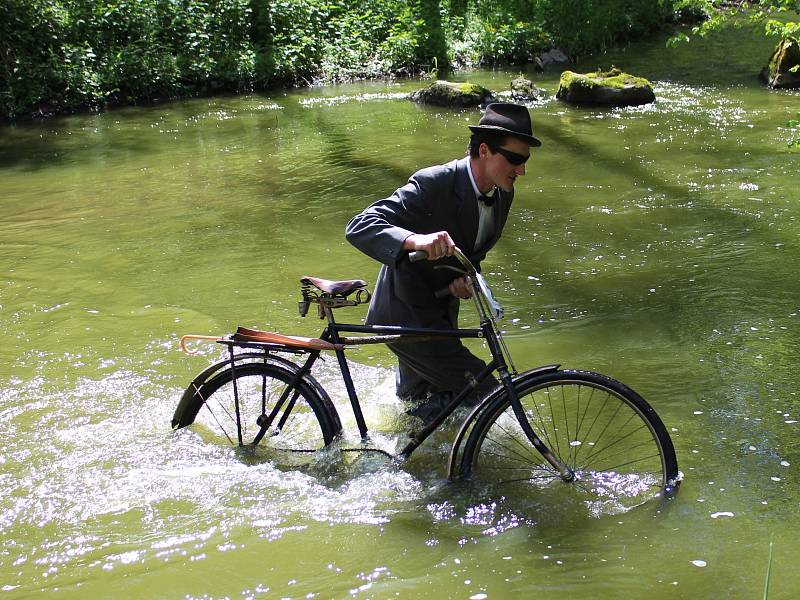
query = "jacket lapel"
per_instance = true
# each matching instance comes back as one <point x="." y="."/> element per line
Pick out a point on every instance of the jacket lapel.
<point x="467" y="217"/>
<point x="501" y="208"/>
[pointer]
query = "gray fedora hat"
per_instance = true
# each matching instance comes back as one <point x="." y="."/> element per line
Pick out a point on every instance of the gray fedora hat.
<point x="508" y="119"/>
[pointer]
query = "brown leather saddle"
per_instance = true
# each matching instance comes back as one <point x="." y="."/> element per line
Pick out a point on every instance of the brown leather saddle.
<point x="336" y="288"/>
<point x="323" y="292"/>
<point x="328" y="294"/>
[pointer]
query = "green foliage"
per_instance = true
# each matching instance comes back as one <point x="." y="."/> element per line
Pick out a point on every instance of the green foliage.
<point x="55" y="55"/>
<point x="774" y="17"/>
<point x="382" y="37"/>
<point x="497" y="40"/>
<point x="58" y="55"/>
<point x="288" y="39"/>
<point x="582" y="26"/>
<point x="794" y="124"/>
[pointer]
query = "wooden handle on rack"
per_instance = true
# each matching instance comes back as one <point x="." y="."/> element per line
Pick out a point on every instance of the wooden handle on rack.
<point x="208" y="338"/>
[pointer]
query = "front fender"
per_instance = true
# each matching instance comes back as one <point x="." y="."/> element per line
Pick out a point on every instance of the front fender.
<point x="454" y="470"/>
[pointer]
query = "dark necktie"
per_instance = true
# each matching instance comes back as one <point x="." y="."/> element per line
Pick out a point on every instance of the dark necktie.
<point x="487" y="200"/>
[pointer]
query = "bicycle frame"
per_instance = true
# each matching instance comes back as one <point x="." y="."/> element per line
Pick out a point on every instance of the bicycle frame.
<point x="488" y="331"/>
<point x="332" y="339"/>
<point x="297" y="386"/>
<point x="332" y="333"/>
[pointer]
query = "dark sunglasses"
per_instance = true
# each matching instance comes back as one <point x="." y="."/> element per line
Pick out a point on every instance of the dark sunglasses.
<point x="512" y="157"/>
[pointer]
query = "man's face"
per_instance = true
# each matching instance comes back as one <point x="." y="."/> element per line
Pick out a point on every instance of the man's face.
<point x="500" y="170"/>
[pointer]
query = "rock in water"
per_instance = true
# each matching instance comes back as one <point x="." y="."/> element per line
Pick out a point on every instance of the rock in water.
<point x="778" y="73"/>
<point x="523" y="90"/>
<point x="448" y="93"/>
<point x="604" y="88"/>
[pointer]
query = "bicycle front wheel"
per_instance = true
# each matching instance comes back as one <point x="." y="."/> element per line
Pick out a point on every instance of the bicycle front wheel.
<point x="235" y="406"/>
<point x="612" y="440"/>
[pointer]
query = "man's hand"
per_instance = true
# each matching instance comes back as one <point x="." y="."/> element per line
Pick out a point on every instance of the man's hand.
<point x="461" y="287"/>
<point x="437" y="245"/>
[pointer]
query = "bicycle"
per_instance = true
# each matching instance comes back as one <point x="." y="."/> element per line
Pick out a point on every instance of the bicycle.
<point x="535" y="428"/>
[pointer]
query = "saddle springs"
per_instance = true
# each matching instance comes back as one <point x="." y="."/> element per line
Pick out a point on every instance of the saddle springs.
<point x="328" y="294"/>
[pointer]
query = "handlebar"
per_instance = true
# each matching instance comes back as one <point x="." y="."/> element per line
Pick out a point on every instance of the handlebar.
<point x="484" y="299"/>
<point x="418" y="255"/>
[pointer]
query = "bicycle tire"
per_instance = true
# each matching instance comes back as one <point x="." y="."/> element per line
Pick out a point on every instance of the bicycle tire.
<point x="310" y="424"/>
<point x="611" y="438"/>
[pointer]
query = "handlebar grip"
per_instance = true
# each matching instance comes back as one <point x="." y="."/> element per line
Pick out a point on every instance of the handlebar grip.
<point x="417" y="255"/>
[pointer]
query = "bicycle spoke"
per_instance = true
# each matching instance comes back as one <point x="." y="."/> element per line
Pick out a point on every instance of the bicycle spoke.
<point x="208" y="406"/>
<point x="525" y="446"/>
<point x="617" y="467"/>
<point x="521" y="479"/>
<point x="591" y="425"/>
<point x="557" y="449"/>
<point x="599" y="451"/>
<point x="545" y="435"/>
<point x="292" y="425"/>
<point x="525" y="460"/>
<point x="577" y="436"/>
<point x="579" y="424"/>
<point x="566" y="423"/>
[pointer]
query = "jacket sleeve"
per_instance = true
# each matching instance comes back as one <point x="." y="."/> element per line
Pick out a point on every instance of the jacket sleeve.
<point x="380" y="229"/>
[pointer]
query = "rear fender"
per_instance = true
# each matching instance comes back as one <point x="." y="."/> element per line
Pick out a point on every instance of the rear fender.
<point x="454" y="470"/>
<point x="208" y="373"/>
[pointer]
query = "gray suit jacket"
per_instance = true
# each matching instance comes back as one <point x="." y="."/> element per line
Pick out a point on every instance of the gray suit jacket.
<point x="439" y="198"/>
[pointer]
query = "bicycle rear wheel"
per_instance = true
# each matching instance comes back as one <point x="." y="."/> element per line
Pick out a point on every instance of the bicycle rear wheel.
<point x="613" y="441"/>
<point x="300" y="419"/>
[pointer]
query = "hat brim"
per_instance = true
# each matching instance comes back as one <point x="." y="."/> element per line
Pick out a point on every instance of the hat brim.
<point x="532" y="141"/>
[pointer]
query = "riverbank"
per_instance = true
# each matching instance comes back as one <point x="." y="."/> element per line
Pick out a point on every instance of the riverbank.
<point x="61" y="57"/>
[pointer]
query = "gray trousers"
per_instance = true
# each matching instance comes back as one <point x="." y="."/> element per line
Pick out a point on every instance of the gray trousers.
<point x="437" y="366"/>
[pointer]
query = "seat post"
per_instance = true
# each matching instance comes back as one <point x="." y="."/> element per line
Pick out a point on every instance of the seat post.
<point x="330" y="295"/>
<point x="328" y="312"/>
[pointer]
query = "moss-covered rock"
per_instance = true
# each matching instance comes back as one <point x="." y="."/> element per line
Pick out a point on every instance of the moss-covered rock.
<point x="523" y="90"/>
<point x="448" y="93"/>
<point x="604" y="88"/>
<point x="778" y="73"/>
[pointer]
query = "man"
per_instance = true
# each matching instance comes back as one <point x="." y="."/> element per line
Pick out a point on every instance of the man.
<point x="463" y="203"/>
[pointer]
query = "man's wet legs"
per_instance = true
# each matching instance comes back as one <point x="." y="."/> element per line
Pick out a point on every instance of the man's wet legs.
<point x="436" y="367"/>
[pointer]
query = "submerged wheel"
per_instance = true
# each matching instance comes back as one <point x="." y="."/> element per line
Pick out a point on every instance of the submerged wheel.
<point x="613" y="441"/>
<point x="301" y="418"/>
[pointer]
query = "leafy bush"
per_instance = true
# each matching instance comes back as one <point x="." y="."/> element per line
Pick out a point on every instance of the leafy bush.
<point x="58" y="55"/>
<point x="288" y="38"/>
<point x="773" y="17"/>
<point x="583" y="26"/>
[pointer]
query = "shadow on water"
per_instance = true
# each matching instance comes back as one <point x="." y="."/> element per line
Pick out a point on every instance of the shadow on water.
<point x="121" y="132"/>
<point x="40" y="146"/>
<point x="344" y="150"/>
<point x="736" y="53"/>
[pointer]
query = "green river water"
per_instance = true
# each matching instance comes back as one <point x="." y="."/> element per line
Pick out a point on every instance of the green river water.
<point x="656" y="244"/>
